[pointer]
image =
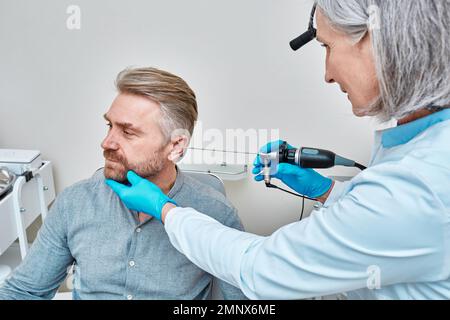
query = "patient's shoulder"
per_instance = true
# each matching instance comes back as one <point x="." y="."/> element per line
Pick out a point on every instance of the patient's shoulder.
<point x="206" y="199"/>
<point x="202" y="190"/>
<point x="83" y="188"/>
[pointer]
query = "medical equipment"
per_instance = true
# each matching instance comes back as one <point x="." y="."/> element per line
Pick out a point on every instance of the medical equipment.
<point x="307" y="158"/>
<point x="312" y="158"/>
<point x="7" y="179"/>
<point x="304" y="157"/>
<point x="25" y="197"/>
<point x="224" y="170"/>
<point x="20" y="161"/>
<point x="307" y="36"/>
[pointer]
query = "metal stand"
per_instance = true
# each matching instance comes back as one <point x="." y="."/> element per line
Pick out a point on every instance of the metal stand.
<point x="19" y="210"/>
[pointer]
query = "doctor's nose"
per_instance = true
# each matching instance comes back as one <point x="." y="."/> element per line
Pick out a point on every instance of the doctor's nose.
<point x="328" y="77"/>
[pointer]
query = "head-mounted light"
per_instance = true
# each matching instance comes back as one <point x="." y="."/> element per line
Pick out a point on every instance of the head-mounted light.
<point x="308" y="36"/>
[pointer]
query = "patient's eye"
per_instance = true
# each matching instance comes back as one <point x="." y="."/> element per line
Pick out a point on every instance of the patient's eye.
<point x="324" y="45"/>
<point x="125" y="131"/>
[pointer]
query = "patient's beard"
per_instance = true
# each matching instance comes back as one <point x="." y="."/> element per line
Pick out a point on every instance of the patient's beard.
<point x="117" y="170"/>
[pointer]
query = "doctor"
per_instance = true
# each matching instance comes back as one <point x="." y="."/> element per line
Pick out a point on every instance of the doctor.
<point x="386" y="233"/>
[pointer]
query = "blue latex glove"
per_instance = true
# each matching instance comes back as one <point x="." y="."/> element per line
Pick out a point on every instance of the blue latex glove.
<point x="142" y="195"/>
<point x="305" y="181"/>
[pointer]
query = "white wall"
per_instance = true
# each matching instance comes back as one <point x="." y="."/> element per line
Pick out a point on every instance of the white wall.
<point x="56" y="83"/>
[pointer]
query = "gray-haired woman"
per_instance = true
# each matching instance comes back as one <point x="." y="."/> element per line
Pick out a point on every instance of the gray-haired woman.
<point x="388" y="228"/>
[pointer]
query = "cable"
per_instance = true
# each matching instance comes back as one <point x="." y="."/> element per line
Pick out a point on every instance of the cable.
<point x="303" y="208"/>
<point x="269" y="185"/>
<point x="223" y="151"/>
<point x="357" y="165"/>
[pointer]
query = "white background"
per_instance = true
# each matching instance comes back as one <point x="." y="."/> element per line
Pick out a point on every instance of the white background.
<point x="55" y="83"/>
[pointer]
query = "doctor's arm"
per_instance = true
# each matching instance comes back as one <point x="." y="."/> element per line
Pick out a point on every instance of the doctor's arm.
<point x="230" y="292"/>
<point x="376" y="235"/>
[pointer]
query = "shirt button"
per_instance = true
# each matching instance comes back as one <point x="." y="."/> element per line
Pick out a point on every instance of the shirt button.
<point x="138" y="230"/>
<point x="132" y="263"/>
<point x="129" y="297"/>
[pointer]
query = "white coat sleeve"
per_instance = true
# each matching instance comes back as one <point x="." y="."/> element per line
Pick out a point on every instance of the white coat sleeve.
<point x="389" y="221"/>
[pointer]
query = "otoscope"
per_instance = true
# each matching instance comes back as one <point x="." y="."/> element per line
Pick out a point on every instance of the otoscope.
<point x="311" y="158"/>
<point x="305" y="157"/>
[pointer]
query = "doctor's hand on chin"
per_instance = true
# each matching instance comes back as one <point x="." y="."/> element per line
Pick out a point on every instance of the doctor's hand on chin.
<point x="143" y="196"/>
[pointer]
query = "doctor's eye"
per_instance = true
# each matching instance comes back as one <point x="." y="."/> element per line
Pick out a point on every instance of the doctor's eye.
<point x="324" y="45"/>
<point x="109" y="125"/>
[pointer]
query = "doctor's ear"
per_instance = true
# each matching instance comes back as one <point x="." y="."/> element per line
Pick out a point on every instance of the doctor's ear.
<point x="179" y="145"/>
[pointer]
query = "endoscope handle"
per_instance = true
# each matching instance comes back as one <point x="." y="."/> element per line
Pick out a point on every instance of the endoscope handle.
<point x="315" y="158"/>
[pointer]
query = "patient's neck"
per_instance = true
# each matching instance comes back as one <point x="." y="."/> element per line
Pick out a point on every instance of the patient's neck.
<point x="165" y="179"/>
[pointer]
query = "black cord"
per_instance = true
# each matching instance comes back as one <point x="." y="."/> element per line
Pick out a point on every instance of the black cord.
<point x="360" y="166"/>
<point x="303" y="208"/>
<point x="269" y="185"/>
<point x="272" y="186"/>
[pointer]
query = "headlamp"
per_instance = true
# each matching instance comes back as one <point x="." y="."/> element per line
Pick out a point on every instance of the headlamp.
<point x="308" y="36"/>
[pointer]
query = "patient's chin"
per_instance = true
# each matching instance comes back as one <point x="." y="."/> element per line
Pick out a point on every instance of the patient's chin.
<point x="115" y="174"/>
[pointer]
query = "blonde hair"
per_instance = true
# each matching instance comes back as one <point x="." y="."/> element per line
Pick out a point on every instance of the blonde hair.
<point x="176" y="99"/>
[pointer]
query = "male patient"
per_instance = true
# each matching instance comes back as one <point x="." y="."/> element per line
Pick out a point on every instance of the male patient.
<point x="118" y="253"/>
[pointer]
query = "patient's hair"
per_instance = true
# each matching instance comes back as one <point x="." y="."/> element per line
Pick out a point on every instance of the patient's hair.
<point x="177" y="100"/>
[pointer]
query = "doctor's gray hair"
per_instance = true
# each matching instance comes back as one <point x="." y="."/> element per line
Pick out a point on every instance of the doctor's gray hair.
<point x="411" y="46"/>
<point x="176" y="99"/>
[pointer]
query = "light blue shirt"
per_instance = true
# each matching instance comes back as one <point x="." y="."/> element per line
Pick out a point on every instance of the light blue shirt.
<point x="383" y="235"/>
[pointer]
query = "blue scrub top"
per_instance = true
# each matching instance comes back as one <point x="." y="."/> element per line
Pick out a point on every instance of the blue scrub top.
<point x="383" y="235"/>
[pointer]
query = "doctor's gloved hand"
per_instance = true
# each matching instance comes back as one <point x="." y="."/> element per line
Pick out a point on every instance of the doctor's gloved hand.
<point x="142" y="195"/>
<point x="304" y="181"/>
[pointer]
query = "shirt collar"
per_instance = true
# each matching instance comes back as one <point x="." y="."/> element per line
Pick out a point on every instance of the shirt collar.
<point x="178" y="183"/>
<point x="404" y="133"/>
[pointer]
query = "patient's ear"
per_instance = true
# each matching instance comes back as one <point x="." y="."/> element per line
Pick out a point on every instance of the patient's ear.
<point x="179" y="145"/>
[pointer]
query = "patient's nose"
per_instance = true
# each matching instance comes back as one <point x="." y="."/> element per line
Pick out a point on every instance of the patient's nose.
<point x="110" y="143"/>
